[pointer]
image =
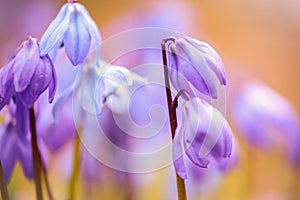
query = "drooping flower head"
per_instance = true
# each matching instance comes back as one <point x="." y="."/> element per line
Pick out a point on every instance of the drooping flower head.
<point x="24" y="78"/>
<point x="96" y="85"/>
<point x="204" y="136"/>
<point x="196" y="62"/>
<point x="73" y="28"/>
<point x="259" y="113"/>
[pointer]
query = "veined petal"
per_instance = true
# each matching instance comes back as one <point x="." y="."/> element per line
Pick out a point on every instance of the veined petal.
<point x="206" y="133"/>
<point x="197" y="68"/>
<point x="26" y="61"/>
<point x="211" y="58"/>
<point x="77" y="39"/>
<point x="177" y="77"/>
<point x="54" y="34"/>
<point x="92" y="28"/>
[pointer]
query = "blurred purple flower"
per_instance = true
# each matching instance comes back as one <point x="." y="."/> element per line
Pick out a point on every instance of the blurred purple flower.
<point x="198" y="63"/>
<point x="204" y="136"/>
<point x="259" y="113"/>
<point x="14" y="148"/>
<point x="24" y="78"/>
<point x="75" y="29"/>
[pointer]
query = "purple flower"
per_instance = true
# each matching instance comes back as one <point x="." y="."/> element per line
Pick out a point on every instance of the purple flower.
<point x="196" y="62"/>
<point x="74" y="28"/>
<point x="259" y="113"/>
<point x="14" y="148"/>
<point x="204" y="136"/>
<point x="24" y="78"/>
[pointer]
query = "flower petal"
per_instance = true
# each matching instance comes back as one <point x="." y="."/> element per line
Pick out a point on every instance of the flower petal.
<point x="92" y="28"/>
<point x="197" y="67"/>
<point x="211" y="57"/>
<point x="77" y="39"/>
<point x="26" y="61"/>
<point x="55" y="32"/>
<point x="22" y="118"/>
<point x="25" y="156"/>
<point x="8" y="154"/>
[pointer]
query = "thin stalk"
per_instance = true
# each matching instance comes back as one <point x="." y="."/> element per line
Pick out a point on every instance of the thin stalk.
<point x="172" y="115"/>
<point x="48" y="189"/>
<point x="296" y="185"/>
<point x="76" y="168"/>
<point x="37" y="166"/>
<point x="3" y="185"/>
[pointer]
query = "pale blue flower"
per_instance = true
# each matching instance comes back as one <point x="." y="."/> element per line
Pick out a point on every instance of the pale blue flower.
<point x="75" y="29"/>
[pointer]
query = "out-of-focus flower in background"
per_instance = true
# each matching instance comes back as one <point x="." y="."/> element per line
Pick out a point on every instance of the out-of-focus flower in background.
<point x="260" y="114"/>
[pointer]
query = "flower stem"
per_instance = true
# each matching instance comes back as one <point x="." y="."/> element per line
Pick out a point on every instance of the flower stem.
<point x="37" y="166"/>
<point x="50" y="196"/>
<point x="3" y="186"/>
<point x="76" y="167"/>
<point x="296" y="185"/>
<point x="172" y="114"/>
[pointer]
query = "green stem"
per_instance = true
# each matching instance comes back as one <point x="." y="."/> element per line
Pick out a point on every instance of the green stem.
<point x="37" y="166"/>
<point x="3" y="186"/>
<point x="172" y="114"/>
<point x="76" y="168"/>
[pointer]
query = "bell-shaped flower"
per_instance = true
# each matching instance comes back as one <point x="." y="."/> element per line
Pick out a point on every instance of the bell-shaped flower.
<point x="73" y="28"/>
<point x="204" y="136"/>
<point x="261" y="115"/>
<point x="195" y="62"/>
<point x="24" y="78"/>
<point x="96" y="85"/>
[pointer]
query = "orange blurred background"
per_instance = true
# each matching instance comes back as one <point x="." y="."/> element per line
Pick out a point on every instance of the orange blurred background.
<point x="256" y="39"/>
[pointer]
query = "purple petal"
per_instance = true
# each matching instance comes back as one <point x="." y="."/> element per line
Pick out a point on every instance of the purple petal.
<point x="197" y="67"/>
<point x="8" y="153"/>
<point x="77" y="39"/>
<point x="22" y="118"/>
<point x="25" y="156"/>
<point x="211" y="57"/>
<point x="25" y="65"/>
<point x="179" y="81"/>
<point x="54" y="34"/>
<point x="207" y="134"/>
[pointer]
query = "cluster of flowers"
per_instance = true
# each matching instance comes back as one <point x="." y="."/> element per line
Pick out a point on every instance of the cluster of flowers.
<point x="203" y="137"/>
